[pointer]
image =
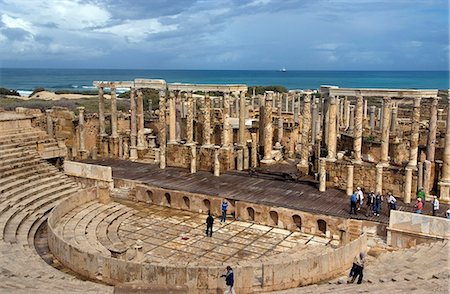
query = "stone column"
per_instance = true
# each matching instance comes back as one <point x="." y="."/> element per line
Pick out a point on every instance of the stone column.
<point x="357" y="138"/>
<point x="242" y="110"/>
<point x="296" y="107"/>
<point x="82" y="148"/>
<point x="444" y="183"/>
<point x="178" y="102"/>
<point x="207" y="121"/>
<point x="133" y="127"/>
<point x="332" y="137"/>
<point x="440" y="114"/>
<point x="280" y="119"/>
<point x="268" y="132"/>
<point x="190" y="119"/>
<point x="346" y="113"/>
<point x="101" y="111"/>
<point x="408" y="183"/>
<point x="113" y="112"/>
<point x="216" y="161"/>
<point x="193" y="159"/>
<point x="431" y="144"/>
<point x="246" y="156"/>
<point x="140" y="121"/>
<point x="240" y="159"/>
<point x="172" y="119"/>
<point x="385" y="131"/>
<point x="349" y="180"/>
<point x="427" y="177"/>
<point x="49" y="118"/>
<point x="372" y="110"/>
<point x="306" y="125"/>
<point x="415" y="132"/>
<point x="394" y="119"/>
<point x="419" y="174"/>
<point x="254" y="155"/>
<point x="365" y="108"/>
<point x="162" y="129"/>
<point x="351" y="125"/>
<point x="322" y="175"/>
<point x="227" y="135"/>
<point x="314" y="114"/>
<point x="379" y="179"/>
<point x="120" y="147"/>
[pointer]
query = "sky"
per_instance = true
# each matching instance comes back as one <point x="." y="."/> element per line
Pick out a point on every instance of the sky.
<point x="226" y="34"/>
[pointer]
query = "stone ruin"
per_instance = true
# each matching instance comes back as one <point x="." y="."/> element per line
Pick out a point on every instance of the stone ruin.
<point x="112" y="229"/>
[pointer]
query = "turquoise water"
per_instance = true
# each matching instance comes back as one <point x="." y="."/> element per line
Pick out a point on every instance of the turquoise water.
<point x="26" y="80"/>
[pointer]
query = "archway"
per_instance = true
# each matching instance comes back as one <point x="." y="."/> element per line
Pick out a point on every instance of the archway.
<point x="187" y="202"/>
<point x="149" y="196"/>
<point x="322" y="226"/>
<point x="168" y="199"/>
<point x="207" y="204"/>
<point x="274" y="217"/>
<point x="297" y="221"/>
<point x="251" y="214"/>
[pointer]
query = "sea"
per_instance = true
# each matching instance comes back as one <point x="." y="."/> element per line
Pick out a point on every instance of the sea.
<point x="25" y="80"/>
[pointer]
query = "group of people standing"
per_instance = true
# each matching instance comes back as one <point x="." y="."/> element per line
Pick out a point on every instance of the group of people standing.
<point x="372" y="205"/>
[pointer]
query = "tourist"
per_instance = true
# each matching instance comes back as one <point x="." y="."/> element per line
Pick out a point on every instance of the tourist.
<point x="392" y="201"/>
<point x="370" y="203"/>
<point x="448" y="213"/>
<point x="422" y="195"/>
<point x="353" y="201"/>
<point x="357" y="268"/>
<point x="229" y="280"/>
<point x="209" y="224"/>
<point x="435" y="205"/>
<point x="224" y="211"/>
<point x="419" y="205"/>
<point x="360" y="195"/>
<point x="378" y="202"/>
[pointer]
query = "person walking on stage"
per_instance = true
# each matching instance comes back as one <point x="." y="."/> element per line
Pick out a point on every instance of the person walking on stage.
<point x="229" y="281"/>
<point x="209" y="224"/>
<point x="435" y="205"/>
<point x="223" y="218"/>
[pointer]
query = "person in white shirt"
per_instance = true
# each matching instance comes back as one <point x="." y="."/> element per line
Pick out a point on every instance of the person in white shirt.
<point x="435" y="205"/>
<point x="392" y="201"/>
<point x="360" y="195"/>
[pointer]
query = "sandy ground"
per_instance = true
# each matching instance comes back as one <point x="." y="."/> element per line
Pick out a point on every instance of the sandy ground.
<point x="47" y="95"/>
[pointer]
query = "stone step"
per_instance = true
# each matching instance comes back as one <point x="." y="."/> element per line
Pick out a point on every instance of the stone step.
<point x="10" y="219"/>
<point x="11" y="161"/>
<point x="23" y="173"/>
<point x="28" y="162"/>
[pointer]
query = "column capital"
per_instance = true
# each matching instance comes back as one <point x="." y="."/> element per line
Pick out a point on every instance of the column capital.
<point x="332" y="99"/>
<point x="387" y="99"/>
<point x="417" y="101"/>
<point x="307" y="98"/>
<point x="171" y="94"/>
<point x="81" y="108"/>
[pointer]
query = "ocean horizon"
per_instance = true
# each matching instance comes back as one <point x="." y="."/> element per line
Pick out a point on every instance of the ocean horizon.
<point x="24" y="80"/>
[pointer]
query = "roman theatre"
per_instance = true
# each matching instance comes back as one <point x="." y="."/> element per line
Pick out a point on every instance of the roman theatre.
<point x="116" y="201"/>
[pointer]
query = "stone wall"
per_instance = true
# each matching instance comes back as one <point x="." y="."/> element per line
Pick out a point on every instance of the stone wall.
<point x="88" y="175"/>
<point x="276" y="274"/>
<point x="409" y="229"/>
<point x="364" y="176"/>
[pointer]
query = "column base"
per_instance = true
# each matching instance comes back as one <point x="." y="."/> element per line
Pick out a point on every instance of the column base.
<point x="444" y="191"/>
<point x="207" y="146"/>
<point x="133" y="154"/>
<point x="83" y="154"/>
<point x="267" y="161"/>
<point x="383" y="164"/>
<point x="354" y="161"/>
<point x="172" y="142"/>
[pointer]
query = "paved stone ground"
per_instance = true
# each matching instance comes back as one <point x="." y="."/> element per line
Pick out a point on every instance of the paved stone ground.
<point x="179" y="236"/>
<point x="262" y="188"/>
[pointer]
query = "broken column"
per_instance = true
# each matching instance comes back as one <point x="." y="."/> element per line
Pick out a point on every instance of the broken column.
<point x="114" y="134"/>
<point x="351" y="125"/>
<point x="268" y="132"/>
<point x="322" y="175"/>
<point x="254" y="155"/>
<point x="408" y="183"/>
<point x="216" y="161"/>
<point x="349" y="180"/>
<point x="379" y="179"/>
<point x="280" y="120"/>
<point x="49" y="118"/>
<point x="227" y="135"/>
<point x="394" y="119"/>
<point x="193" y="159"/>
<point x="82" y="148"/>
<point x="357" y="138"/>
<point x="240" y="159"/>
